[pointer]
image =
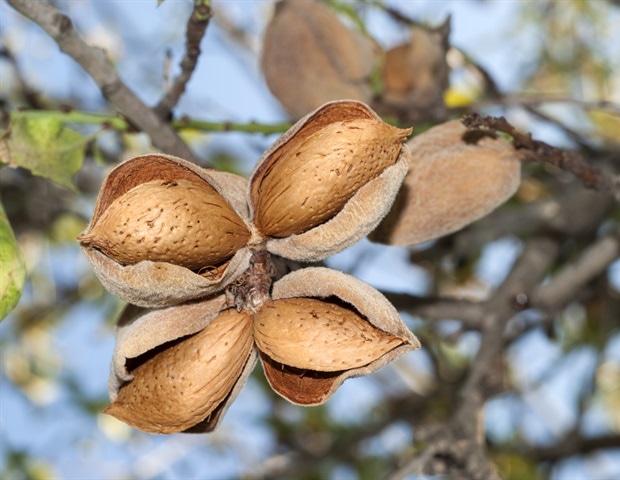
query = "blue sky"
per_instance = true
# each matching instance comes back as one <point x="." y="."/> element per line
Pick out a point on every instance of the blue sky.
<point x="227" y="86"/>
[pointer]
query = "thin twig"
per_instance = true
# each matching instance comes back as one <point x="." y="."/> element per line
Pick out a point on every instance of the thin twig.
<point x="94" y="60"/>
<point x="196" y="28"/>
<point x="434" y="308"/>
<point x="115" y="122"/>
<point x="539" y="151"/>
<point x="536" y="101"/>
<point x="32" y="97"/>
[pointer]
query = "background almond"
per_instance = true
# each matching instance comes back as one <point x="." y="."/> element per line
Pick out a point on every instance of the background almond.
<point x="310" y="57"/>
<point x="450" y="184"/>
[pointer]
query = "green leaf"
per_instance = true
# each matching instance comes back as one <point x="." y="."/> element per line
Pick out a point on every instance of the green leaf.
<point x="44" y="146"/>
<point x="12" y="268"/>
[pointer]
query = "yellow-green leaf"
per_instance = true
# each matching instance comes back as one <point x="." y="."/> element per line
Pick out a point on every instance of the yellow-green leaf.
<point x="44" y="146"/>
<point x="12" y="269"/>
<point x="607" y="125"/>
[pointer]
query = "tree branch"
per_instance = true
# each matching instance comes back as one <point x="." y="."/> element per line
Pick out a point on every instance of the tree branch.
<point x="434" y="308"/>
<point x="574" y="445"/>
<point x="196" y="28"/>
<point x="565" y="285"/>
<point x="457" y="447"/>
<point x="536" y="101"/>
<point x="539" y="151"/>
<point x="94" y="60"/>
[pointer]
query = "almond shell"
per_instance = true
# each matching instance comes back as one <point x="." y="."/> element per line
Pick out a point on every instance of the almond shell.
<point x="310" y="387"/>
<point x="360" y="214"/>
<point x="189" y="385"/>
<point x="158" y="284"/>
<point x="450" y="184"/>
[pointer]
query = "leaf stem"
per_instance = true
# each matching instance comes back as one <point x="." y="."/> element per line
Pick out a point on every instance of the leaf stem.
<point x="120" y="124"/>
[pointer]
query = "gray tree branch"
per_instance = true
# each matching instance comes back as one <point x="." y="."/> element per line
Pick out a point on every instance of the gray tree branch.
<point x="196" y="28"/>
<point x="94" y="60"/>
<point x="457" y="447"/>
<point x="565" y="285"/>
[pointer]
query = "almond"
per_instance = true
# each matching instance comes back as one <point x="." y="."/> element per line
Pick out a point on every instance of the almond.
<point x="450" y="184"/>
<point x="310" y="182"/>
<point x="184" y="222"/>
<point x="183" y="384"/>
<point x="312" y="334"/>
<point x="337" y="62"/>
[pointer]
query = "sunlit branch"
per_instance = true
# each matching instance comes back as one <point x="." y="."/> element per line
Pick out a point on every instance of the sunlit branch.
<point x="114" y="122"/>
<point x="536" y="150"/>
<point x="196" y="28"/>
<point x="95" y="61"/>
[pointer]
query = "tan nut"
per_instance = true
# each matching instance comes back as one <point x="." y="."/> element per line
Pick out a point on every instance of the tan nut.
<point x="450" y="184"/>
<point x="317" y="335"/>
<point x="167" y="392"/>
<point x="314" y="172"/>
<point x="337" y="62"/>
<point x="183" y="222"/>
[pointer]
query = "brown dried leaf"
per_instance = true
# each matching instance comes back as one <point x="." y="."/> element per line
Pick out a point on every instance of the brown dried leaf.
<point x="181" y="385"/>
<point x="310" y="57"/>
<point x="449" y="185"/>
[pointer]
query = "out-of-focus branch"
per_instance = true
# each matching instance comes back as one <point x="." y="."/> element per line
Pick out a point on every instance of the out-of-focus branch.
<point x="76" y="117"/>
<point x="539" y="151"/>
<point x="432" y="308"/>
<point x="94" y="60"/>
<point x="537" y="101"/>
<point x="573" y="445"/>
<point x="457" y="447"/>
<point x="32" y="97"/>
<point x="196" y="28"/>
<point x="570" y="279"/>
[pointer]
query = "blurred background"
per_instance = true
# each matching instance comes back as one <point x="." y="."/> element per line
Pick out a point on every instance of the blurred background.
<point x="551" y="67"/>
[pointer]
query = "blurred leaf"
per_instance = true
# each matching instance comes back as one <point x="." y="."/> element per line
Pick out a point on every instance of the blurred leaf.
<point x="515" y="467"/>
<point x="44" y="146"/>
<point x="66" y="228"/>
<point x="606" y="124"/>
<point x="12" y="269"/>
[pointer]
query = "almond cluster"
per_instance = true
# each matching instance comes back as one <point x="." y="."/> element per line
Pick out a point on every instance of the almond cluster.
<point x="195" y="252"/>
<point x="204" y="259"/>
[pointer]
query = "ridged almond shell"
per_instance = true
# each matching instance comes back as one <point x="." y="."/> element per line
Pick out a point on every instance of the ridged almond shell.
<point x="323" y="327"/>
<point x="450" y="184"/>
<point x="341" y="154"/>
<point x="182" y="383"/>
<point x="156" y="281"/>
<point x="182" y="222"/>
<point x="320" y="335"/>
